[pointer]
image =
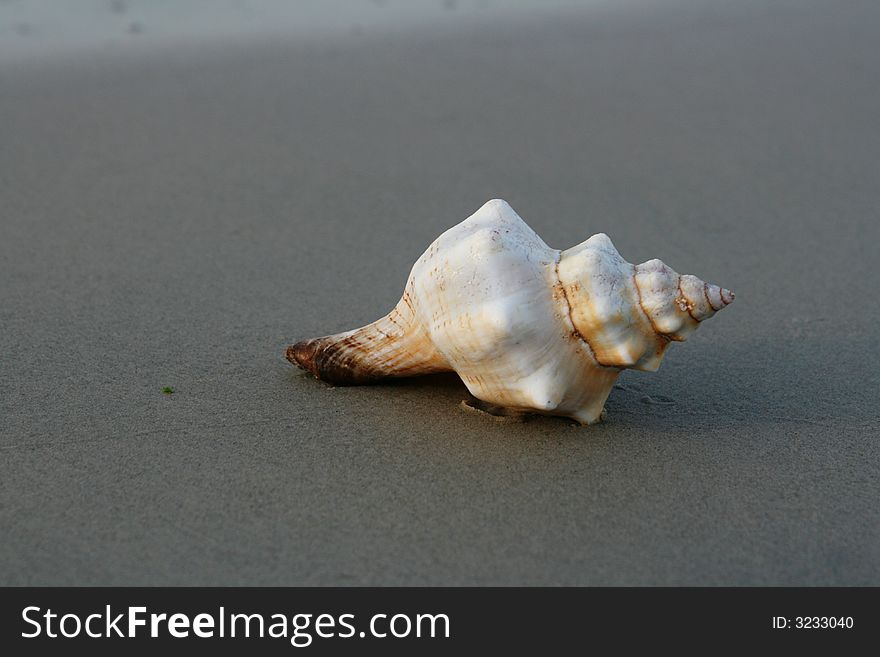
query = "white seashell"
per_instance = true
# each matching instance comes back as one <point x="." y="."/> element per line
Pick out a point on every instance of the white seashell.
<point x="526" y="327"/>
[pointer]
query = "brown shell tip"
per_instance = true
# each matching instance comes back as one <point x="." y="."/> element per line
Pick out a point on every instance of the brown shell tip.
<point x="727" y="296"/>
<point x="302" y="354"/>
<point x="326" y="359"/>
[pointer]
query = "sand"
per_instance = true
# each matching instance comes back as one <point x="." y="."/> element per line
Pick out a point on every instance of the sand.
<point x="177" y="217"/>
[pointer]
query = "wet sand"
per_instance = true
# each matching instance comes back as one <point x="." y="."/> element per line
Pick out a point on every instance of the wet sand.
<point x="177" y="218"/>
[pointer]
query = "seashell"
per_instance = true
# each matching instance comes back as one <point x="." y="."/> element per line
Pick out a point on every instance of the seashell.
<point x="526" y="327"/>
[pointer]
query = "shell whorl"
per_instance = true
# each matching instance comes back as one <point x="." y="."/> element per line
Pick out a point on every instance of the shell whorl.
<point x="525" y="326"/>
<point x="628" y="314"/>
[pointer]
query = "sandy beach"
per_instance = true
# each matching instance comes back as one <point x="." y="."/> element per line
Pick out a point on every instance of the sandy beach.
<point x="177" y="216"/>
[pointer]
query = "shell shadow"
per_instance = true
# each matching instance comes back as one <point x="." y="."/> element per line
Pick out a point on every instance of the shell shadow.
<point x="742" y="384"/>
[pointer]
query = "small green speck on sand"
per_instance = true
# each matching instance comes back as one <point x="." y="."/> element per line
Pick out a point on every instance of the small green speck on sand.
<point x="167" y="390"/>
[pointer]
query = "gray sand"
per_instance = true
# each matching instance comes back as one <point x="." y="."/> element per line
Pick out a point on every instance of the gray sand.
<point x="178" y="218"/>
